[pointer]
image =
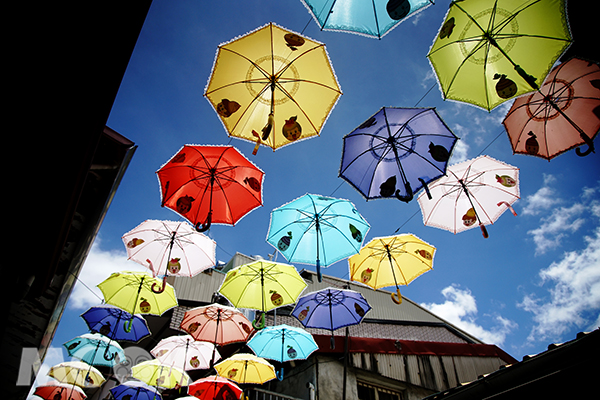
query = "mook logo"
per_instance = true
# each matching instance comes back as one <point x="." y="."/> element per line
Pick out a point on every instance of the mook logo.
<point x="133" y="356"/>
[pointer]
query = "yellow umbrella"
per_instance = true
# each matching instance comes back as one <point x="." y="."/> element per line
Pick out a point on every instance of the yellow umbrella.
<point x="262" y="285"/>
<point x="155" y="373"/>
<point x="272" y="87"/>
<point x="138" y="293"/>
<point x="246" y="368"/>
<point x="77" y="373"/>
<point x="393" y="260"/>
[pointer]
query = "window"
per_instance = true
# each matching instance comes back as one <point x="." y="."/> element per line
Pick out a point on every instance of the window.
<point x="371" y="392"/>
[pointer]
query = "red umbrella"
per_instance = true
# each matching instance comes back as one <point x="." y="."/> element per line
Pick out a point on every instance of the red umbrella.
<point x="564" y="113"/>
<point x="210" y="184"/>
<point x="215" y="387"/>
<point x="59" y="391"/>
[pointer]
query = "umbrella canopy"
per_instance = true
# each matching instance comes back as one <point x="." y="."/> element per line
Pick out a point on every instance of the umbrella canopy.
<point x="317" y="230"/>
<point x="563" y="114"/>
<point x="393" y="260"/>
<point x="214" y="387"/>
<point x="170" y="248"/>
<point x="246" y="368"/>
<point x="134" y="293"/>
<point x="272" y="86"/>
<point x="396" y="152"/>
<point x="283" y="343"/>
<point x="368" y="18"/>
<point x="217" y="324"/>
<point x="134" y="390"/>
<point x="77" y="373"/>
<point x="59" y="391"/>
<point x="488" y="51"/>
<point x="475" y="192"/>
<point x="114" y="323"/>
<point x="262" y="285"/>
<point x="96" y="349"/>
<point x="185" y="352"/>
<point x="210" y="184"/>
<point x="155" y="373"/>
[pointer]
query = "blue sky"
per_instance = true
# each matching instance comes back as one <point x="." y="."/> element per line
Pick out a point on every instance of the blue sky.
<point x="534" y="281"/>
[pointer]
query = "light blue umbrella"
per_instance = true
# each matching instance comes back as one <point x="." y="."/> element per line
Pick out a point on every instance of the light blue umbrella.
<point x="96" y="349"/>
<point x="135" y="390"/>
<point x="317" y="230"/>
<point x="283" y="343"/>
<point x="373" y="18"/>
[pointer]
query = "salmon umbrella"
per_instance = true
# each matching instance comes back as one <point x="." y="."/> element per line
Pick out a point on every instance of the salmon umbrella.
<point x="488" y="51"/>
<point x="564" y="113"/>
<point x="210" y="184"/>
<point x="272" y="87"/>
<point x="391" y="261"/>
<point x="474" y="192"/>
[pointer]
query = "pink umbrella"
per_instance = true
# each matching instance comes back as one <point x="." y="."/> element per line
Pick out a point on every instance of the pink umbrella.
<point x="185" y="352"/>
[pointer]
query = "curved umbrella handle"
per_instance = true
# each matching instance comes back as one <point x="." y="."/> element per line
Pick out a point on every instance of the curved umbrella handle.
<point x="590" y="148"/>
<point x="512" y="210"/>
<point x="280" y="374"/>
<point x="426" y="188"/>
<point x="127" y="325"/>
<point x="484" y="231"/>
<point x="162" y="289"/>
<point x="108" y="356"/>
<point x="397" y="297"/>
<point x="259" y="322"/>
<point x="206" y="225"/>
<point x="409" y="193"/>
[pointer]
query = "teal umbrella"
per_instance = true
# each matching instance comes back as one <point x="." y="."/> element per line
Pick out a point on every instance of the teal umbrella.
<point x="96" y="349"/>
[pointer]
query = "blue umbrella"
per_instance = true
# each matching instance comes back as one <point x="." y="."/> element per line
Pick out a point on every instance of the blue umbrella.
<point x="135" y="390"/>
<point x="397" y="152"/>
<point x="368" y="18"/>
<point x="331" y="309"/>
<point x="115" y="323"/>
<point x="317" y="230"/>
<point x="283" y="343"/>
<point x="95" y="349"/>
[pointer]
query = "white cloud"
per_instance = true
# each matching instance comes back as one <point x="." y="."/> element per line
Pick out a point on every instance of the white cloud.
<point x="98" y="266"/>
<point x="460" y="309"/>
<point x="555" y="227"/>
<point x="543" y="199"/>
<point x="574" y="295"/>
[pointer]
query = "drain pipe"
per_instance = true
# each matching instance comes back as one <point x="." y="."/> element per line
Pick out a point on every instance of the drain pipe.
<point x="311" y="390"/>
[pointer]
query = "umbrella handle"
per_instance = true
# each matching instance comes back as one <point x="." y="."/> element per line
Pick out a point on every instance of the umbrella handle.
<point x="206" y="225"/>
<point x="512" y="210"/>
<point x="409" y="193"/>
<point x="280" y="374"/>
<point x="426" y="188"/>
<point x="257" y="145"/>
<point x="484" y="231"/>
<point x="127" y="325"/>
<point x="162" y="289"/>
<point x="397" y="297"/>
<point x="259" y="322"/>
<point x="108" y="356"/>
<point x="319" y="276"/>
<point x="332" y="342"/>
<point x="590" y="148"/>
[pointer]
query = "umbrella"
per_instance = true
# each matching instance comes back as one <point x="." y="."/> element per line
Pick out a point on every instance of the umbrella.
<point x="317" y="230"/>
<point x="246" y="368"/>
<point x="77" y="373"/>
<point x="393" y="260"/>
<point x="134" y="390"/>
<point x="185" y="352"/>
<point x="331" y="309"/>
<point x="59" y="391"/>
<point x="113" y="322"/>
<point x="132" y="292"/>
<point x="408" y="147"/>
<point x="368" y="18"/>
<point x="170" y="248"/>
<point x="283" y="343"/>
<point x="475" y="192"/>
<point x="563" y="114"/>
<point x="96" y="349"/>
<point x="274" y="81"/>
<point x="488" y="51"/>
<point x="155" y="373"/>
<point x="262" y="285"/>
<point x="217" y="324"/>
<point x="210" y="184"/>
<point x="214" y="387"/>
